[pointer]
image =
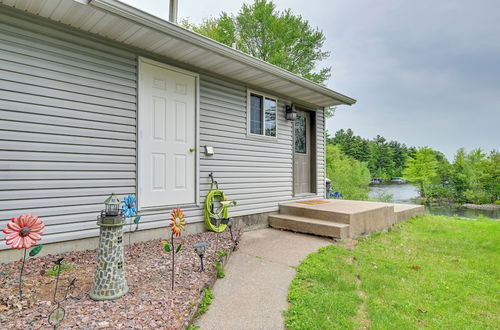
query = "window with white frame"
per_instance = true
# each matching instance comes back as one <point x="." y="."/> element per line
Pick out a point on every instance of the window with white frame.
<point x="262" y="114"/>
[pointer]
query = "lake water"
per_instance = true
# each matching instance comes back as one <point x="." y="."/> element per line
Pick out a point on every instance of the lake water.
<point x="407" y="193"/>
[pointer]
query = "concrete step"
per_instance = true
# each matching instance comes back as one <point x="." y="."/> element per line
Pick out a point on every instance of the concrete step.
<point x="302" y="210"/>
<point x="309" y="226"/>
<point x="406" y="211"/>
<point x="342" y="211"/>
<point x="362" y="217"/>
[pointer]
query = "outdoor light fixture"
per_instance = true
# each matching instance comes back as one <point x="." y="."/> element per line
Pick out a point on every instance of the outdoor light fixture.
<point x="200" y="251"/>
<point x="291" y="112"/>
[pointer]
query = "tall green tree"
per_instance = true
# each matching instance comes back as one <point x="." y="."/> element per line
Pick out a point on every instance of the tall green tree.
<point x="461" y="174"/>
<point x="473" y="177"/>
<point x="351" y="145"/>
<point x="399" y="153"/>
<point x="490" y="178"/>
<point x="470" y="177"/>
<point x="385" y="159"/>
<point x="421" y="170"/>
<point x="221" y="29"/>
<point x="444" y="167"/>
<point x="278" y="37"/>
<point x="460" y="171"/>
<point x="381" y="162"/>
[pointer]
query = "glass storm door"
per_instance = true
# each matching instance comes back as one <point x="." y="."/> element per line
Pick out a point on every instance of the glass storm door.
<point x="302" y="154"/>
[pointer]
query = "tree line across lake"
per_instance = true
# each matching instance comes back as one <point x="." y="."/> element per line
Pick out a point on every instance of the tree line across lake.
<point x="472" y="177"/>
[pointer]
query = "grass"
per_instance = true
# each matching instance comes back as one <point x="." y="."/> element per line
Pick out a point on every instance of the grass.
<point x="220" y="270"/>
<point x="208" y="296"/>
<point x="218" y="264"/>
<point x="204" y="303"/>
<point x="430" y="272"/>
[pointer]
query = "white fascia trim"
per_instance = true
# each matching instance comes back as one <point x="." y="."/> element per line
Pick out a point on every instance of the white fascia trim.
<point x="141" y="17"/>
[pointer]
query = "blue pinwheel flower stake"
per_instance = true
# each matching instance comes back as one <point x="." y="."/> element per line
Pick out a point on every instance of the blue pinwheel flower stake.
<point x="129" y="210"/>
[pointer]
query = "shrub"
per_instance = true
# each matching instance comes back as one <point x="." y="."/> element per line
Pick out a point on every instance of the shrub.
<point x="477" y="196"/>
<point x="349" y="176"/>
<point x="438" y="192"/>
<point x="384" y="197"/>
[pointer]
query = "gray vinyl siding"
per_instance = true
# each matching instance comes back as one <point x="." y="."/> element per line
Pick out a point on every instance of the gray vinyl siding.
<point x="68" y="135"/>
<point x="67" y="128"/>
<point x="255" y="172"/>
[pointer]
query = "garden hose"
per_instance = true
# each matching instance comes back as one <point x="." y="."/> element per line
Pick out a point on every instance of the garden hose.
<point x="211" y="195"/>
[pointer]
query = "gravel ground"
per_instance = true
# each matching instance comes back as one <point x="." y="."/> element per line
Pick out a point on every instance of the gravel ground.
<point x="150" y="302"/>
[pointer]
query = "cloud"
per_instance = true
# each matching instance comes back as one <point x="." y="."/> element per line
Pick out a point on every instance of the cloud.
<point x="424" y="73"/>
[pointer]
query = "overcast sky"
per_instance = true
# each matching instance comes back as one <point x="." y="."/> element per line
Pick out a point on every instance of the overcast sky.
<point x="424" y="72"/>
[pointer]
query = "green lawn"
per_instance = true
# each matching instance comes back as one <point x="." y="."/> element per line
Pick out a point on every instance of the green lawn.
<point x="430" y="272"/>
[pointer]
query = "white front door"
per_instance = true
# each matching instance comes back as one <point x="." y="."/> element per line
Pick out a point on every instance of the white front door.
<point x="167" y="133"/>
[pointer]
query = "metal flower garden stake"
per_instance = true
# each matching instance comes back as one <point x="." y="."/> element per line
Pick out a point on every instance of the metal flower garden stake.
<point x="177" y="223"/>
<point x="58" y="313"/>
<point x="129" y="210"/>
<point x="22" y="233"/>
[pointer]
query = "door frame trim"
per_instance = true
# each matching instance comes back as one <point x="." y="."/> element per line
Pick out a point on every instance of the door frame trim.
<point x="140" y="63"/>
<point x="314" y="184"/>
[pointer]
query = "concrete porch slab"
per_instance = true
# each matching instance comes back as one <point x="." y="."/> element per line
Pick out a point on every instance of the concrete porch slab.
<point x="340" y="205"/>
<point x="363" y="217"/>
<point x="406" y="211"/>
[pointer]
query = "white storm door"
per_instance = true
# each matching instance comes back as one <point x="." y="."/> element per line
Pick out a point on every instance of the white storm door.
<point x="167" y="133"/>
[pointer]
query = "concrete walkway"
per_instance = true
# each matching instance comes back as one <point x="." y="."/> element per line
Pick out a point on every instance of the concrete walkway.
<point x="253" y="293"/>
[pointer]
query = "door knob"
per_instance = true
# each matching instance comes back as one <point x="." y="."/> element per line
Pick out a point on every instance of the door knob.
<point x="192" y="149"/>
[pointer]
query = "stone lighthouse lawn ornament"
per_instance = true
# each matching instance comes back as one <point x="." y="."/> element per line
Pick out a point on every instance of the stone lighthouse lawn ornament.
<point x="109" y="279"/>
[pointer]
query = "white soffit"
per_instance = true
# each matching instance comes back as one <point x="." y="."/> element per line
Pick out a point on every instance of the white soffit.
<point x="120" y="22"/>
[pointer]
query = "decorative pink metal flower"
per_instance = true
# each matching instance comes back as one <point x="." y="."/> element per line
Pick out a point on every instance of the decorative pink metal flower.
<point x="23" y="232"/>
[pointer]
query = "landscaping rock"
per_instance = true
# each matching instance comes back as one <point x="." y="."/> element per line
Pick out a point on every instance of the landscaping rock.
<point x="150" y="302"/>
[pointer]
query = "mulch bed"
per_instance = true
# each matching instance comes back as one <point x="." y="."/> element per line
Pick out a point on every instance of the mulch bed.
<point x="150" y="302"/>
